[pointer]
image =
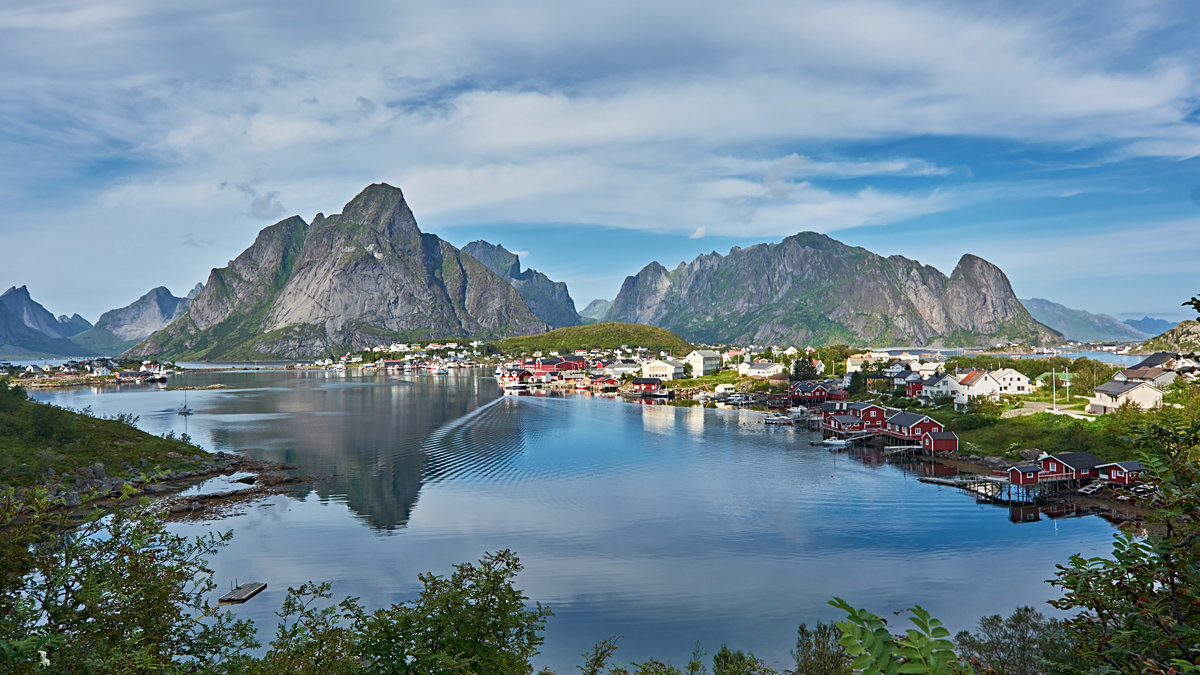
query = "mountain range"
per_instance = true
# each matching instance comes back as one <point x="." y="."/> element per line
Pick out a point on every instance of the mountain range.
<point x="28" y="330"/>
<point x="368" y="275"/>
<point x="1150" y="325"/>
<point x="811" y="289"/>
<point x="351" y="280"/>
<point x="1081" y="325"/>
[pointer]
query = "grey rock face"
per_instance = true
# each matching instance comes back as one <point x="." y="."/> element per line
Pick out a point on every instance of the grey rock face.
<point x="811" y="289"/>
<point x="348" y="281"/>
<point x="596" y="309"/>
<point x="548" y="299"/>
<point x="31" y="314"/>
<point x="144" y="316"/>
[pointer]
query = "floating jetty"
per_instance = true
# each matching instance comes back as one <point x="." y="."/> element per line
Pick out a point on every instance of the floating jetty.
<point x="243" y="593"/>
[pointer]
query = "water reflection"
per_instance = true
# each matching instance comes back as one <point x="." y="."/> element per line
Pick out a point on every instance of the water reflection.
<point x="664" y="524"/>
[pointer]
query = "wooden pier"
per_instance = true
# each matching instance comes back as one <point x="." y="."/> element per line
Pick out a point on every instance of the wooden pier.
<point x="243" y="593"/>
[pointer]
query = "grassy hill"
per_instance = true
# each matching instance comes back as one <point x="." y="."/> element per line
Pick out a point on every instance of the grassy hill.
<point x="1182" y="339"/>
<point x="597" y="336"/>
<point x="35" y="437"/>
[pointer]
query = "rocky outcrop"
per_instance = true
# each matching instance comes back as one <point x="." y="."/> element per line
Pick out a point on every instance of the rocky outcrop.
<point x="548" y="299"/>
<point x="811" y="289"/>
<point x="347" y="281"/>
<point x="1080" y="325"/>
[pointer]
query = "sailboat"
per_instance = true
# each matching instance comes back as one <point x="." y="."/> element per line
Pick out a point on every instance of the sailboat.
<point x="184" y="409"/>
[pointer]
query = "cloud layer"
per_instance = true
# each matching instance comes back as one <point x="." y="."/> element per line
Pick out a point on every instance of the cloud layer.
<point x="177" y="124"/>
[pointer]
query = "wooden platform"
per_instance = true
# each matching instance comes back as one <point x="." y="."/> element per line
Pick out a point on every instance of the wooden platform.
<point x="243" y="593"/>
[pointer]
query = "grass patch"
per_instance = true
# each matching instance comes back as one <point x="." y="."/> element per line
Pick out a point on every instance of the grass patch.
<point x="609" y="335"/>
<point x="35" y="437"/>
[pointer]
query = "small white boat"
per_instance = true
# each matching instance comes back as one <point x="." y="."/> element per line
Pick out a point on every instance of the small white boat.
<point x="834" y="441"/>
<point x="515" y="386"/>
<point x="777" y="418"/>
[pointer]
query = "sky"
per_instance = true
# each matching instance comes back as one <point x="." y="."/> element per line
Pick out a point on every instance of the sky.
<point x="144" y="142"/>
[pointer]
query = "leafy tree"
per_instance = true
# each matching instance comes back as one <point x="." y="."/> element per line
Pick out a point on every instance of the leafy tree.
<point x="1024" y="643"/>
<point x="858" y="384"/>
<point x="923" y="649"/>
<point x="311" y="640"/>
<point x="803" y="369"/>
<point x="982" y="405"/>
<point x="475" y="621"/>
<point x="1139" y="611"/>
<point x="729" y="662"/>
<point x="818" y="652"/>
<point x="117" y="593"/>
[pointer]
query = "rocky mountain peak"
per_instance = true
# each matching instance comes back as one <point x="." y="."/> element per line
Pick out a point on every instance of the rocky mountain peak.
<point x="548" y="299"/>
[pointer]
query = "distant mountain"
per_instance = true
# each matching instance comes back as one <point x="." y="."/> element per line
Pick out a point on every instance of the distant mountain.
<point x="1080" y="325"/>
<point x="28" y="330"/>
<point x="548" y="299"/>
<point x="352" y="280"/>
<point x="596" y="309"/>
<point x="1150" y="326"/>
<point x="811" y="289"/>
<point x="122" y="328"/>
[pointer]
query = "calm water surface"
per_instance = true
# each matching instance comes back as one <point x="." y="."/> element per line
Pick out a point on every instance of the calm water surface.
<point x="665" y="525"/>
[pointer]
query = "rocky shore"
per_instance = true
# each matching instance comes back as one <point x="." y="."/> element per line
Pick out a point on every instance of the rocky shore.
<point x="92" y="483"/>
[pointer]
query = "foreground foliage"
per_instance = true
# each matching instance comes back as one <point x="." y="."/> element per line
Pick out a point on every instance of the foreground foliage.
<point x="36" y="438"/>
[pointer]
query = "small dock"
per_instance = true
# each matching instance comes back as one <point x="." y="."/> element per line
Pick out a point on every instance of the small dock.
<point x="242" y="593"/>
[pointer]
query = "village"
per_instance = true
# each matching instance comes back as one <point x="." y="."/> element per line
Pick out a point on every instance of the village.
<point x="887" y="401"/>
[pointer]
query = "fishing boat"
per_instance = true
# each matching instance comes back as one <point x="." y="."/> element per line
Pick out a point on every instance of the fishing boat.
<point x="777" y="418"/>
<point x="835" y="441"/>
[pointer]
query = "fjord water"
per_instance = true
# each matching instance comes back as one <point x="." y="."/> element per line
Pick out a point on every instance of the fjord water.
<point x="665" y="525"/>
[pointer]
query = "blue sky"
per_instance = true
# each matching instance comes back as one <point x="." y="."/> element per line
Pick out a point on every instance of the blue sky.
<point x="145" y="143"/>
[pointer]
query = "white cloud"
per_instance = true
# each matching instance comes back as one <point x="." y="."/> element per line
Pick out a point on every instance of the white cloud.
<point x="667" y="117"/>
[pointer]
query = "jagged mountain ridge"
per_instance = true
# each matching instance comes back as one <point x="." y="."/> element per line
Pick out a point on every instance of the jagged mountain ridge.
<point x="548" y="299"/>
<point x="347" y="281"/>
<point x="1081" y="325"/>
<point x="811" y="289"/>
<point x="27" y="329"/>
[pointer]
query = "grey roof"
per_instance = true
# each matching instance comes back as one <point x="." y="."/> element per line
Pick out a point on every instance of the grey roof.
<point x="942" y="435"/>
<point x="833" y="405"/>
<point x="1114" y="388"/>
<point x="646" y="380"/>
<point x="1079" y="460"/>
<point x="846" y="419"/>
<point x="906" y="419"/>
<point x="934" y="379"/>
<point x="1155" y="359"/>
<point x="1027" y="468"/>
<point x="1128" y="465"/>
<point x="862" y="405"/>
<point x="905" y="374"/>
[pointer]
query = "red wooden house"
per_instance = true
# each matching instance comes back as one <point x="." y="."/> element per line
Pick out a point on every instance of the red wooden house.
<point x="647" y="384"/>
<point x="831" y="408"/>
<point x="1070" y="466"/>
<point x="1026" y="474"/>
<point x="516" y="375"/>
<point x="1124" y="473"/>
<point x="872" y="415"/>
<point x="552" y="365"/>
<point x="908" y="426"/>
<point x="914" y="388"/>
<point x="940" y="441"/>
<point x="603" y="381"/>
<point x="844" y="424"/>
